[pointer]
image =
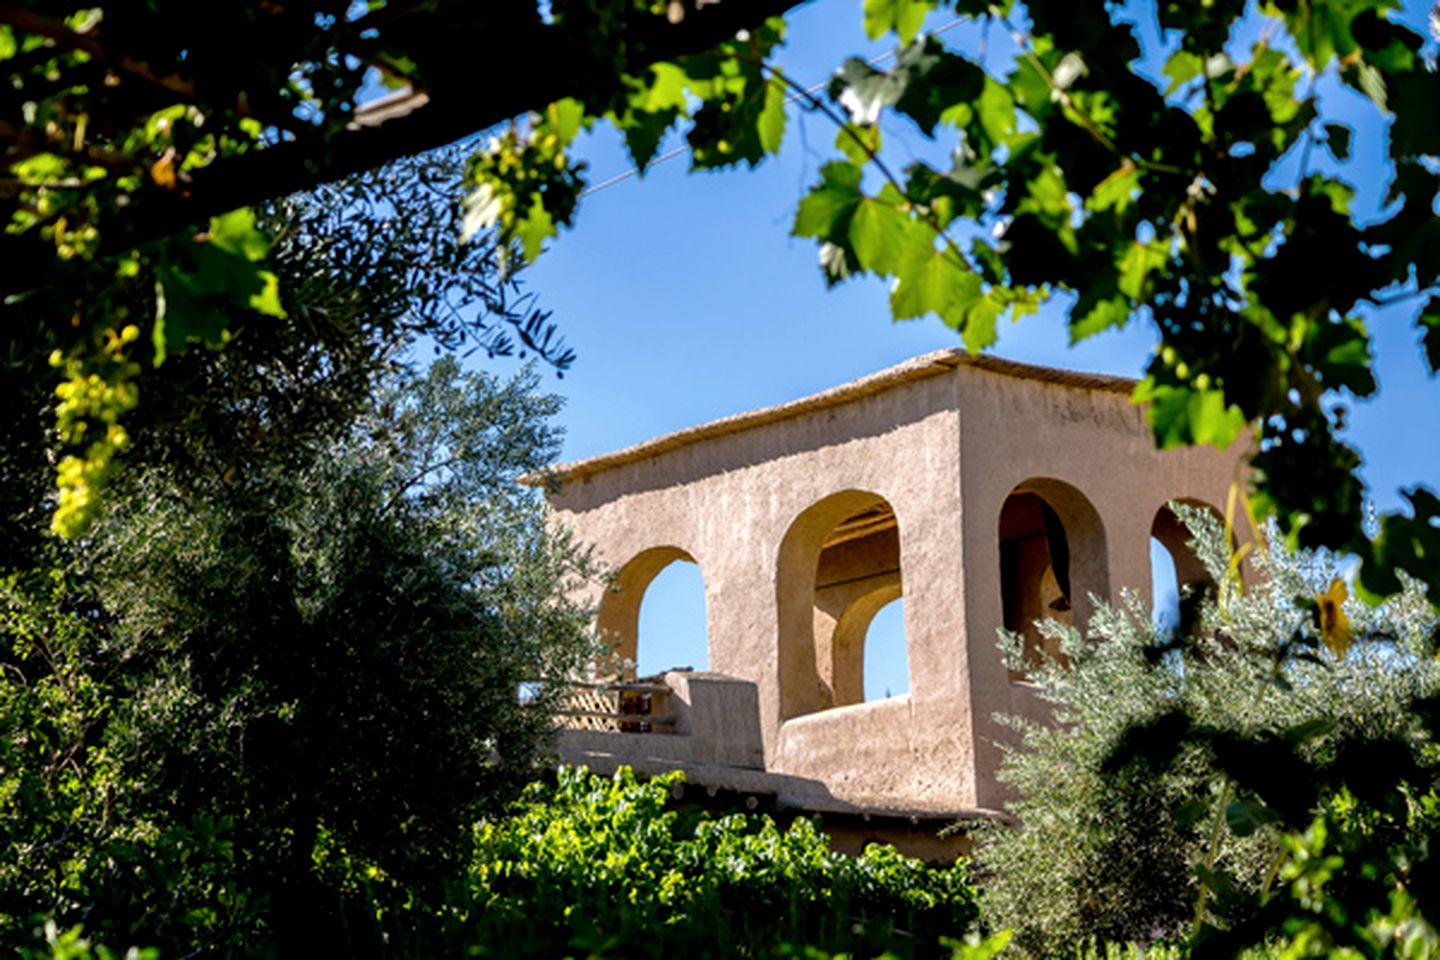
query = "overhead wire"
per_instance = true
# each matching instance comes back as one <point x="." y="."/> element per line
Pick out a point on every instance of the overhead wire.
<point x="803" y="95"/>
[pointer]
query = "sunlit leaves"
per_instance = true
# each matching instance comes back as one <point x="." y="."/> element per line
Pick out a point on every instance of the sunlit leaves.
<point x="1135" y="267"/>
<point x="904" y="17"/>
<point x="1185" y="416"/>
<point x="935" y="280"/>
<point x="770" y="125"/>
<point x="200" y="284"/>
<point x="1117" y="191"/>
<point x="824" y="213"/>
<point x="525" y="185"/>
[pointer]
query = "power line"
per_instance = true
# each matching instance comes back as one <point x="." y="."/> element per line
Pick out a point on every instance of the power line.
<point x="809" y="91"/>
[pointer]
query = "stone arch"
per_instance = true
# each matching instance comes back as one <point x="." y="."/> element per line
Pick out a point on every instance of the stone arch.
<point x="1174" y="536"/>
<point x="1053" y="557"/>
<point x="618" y="619"/>
<point x="839" y="563"/>
<point x="1167" y="530"/>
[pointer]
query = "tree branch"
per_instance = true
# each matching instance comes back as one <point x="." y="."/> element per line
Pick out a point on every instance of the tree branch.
<point x="517" y="74"/>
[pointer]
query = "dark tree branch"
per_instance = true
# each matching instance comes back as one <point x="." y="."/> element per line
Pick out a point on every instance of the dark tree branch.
<point x="516" y="73"/>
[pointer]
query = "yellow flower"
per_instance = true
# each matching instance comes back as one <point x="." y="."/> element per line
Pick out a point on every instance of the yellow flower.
<point x="1335" y="627"/>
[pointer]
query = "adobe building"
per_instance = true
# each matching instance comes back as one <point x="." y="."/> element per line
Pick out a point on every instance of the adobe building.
<point x="988" y="493"/>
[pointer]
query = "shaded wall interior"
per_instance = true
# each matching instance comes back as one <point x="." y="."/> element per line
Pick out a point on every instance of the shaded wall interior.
<point x="1035" y="581"/>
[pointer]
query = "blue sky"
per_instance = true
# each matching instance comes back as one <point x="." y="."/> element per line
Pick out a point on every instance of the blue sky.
<point x="686" y="300"/>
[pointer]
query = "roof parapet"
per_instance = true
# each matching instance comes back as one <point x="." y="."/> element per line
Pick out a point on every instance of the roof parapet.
<point x="917" y="368"/>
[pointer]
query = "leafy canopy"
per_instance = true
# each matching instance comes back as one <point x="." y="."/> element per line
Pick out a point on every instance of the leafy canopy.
<point x="1181" y="194"/>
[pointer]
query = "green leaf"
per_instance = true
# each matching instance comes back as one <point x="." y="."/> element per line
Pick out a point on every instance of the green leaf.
<point x="884" y="236"/>
<point x="1182" y="67"/>
<point x="7" y="42"/>
<point x="859" y="144"/>
<point x="771" y="125"/>
<point x="535" y="228"/>
<point x="666" y="90"/>
<point x="1117" y="191"/>
<point x="932" y="81"/>
<point x="978" y="328"/>
<point x="1136" y="265"/>
<point x="997" y="112"/>
<point x="235" y="232"/>
<point x="825" y="212"/>
<point x="643" y="132"/>
<point x="1181" y="416"/>
<point x="564" y="119"/>
<point x="267" y="300"/>
<point x="1098" y="317"/>
<point x="938" y="283"/>
<point x="904" y="17"/>
<point x="1047" y="198"/>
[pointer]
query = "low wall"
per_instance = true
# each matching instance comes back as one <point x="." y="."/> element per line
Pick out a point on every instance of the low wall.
<point x="717" y="721"/>
<point x="865" y="755"/>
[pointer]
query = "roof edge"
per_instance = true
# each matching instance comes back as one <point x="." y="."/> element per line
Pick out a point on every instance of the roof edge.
<point x="917" y="368"/>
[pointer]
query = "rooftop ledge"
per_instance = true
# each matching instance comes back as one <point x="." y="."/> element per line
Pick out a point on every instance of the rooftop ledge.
<point x="917" y="368"/>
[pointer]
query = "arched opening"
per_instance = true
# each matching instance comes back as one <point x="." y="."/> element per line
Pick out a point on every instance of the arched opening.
<point x="887" y="667"/>
<point x="839" y="565"/>
<point x="660" y="595"/>
<point x="1178" y="580"/>
<point x="672" y="622"/>
<point x="1164" y="589"/>
<point x="1053" y="557"/>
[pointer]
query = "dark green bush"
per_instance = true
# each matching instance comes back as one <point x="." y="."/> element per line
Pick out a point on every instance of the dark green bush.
<point x="243" y="694"/>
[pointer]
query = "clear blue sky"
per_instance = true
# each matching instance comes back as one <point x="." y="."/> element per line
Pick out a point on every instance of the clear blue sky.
<point x="686" y="300"/>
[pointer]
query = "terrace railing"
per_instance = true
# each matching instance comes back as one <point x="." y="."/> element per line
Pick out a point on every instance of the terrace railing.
<point x="622" y="707"/>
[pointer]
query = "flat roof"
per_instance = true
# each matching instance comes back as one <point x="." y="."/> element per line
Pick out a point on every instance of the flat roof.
<point x="917" y="368"/>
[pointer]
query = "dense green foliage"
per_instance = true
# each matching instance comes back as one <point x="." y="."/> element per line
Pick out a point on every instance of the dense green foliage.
<point x="239" y="620"/>
<point x="596" y="867"/>
<point x="1175" y="187"/>
<point x="243" y="693"/>
<point x="591" y="866"/>
<point x="1117" y="850"/>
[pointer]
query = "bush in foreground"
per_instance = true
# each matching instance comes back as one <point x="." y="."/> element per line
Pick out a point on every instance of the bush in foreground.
<point x="600" y="867"/>
<point x="1192" y="833"/>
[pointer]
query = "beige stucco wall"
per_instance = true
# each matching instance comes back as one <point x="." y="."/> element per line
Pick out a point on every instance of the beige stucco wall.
<point x="1015" y="430"/>
<point x="943" y="441"/>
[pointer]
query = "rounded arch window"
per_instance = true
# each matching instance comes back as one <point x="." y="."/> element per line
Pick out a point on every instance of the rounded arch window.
<point x="1178" y="579"/>
<point x="1053" y="558"/>
<point x="654" y="615"/>
<point x="839" y="566"/>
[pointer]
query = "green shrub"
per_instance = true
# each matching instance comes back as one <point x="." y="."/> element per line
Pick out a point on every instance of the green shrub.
<point x="595" y="866"/>
<point x="245" y="694"/>
<point x="1120" y="851"/>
